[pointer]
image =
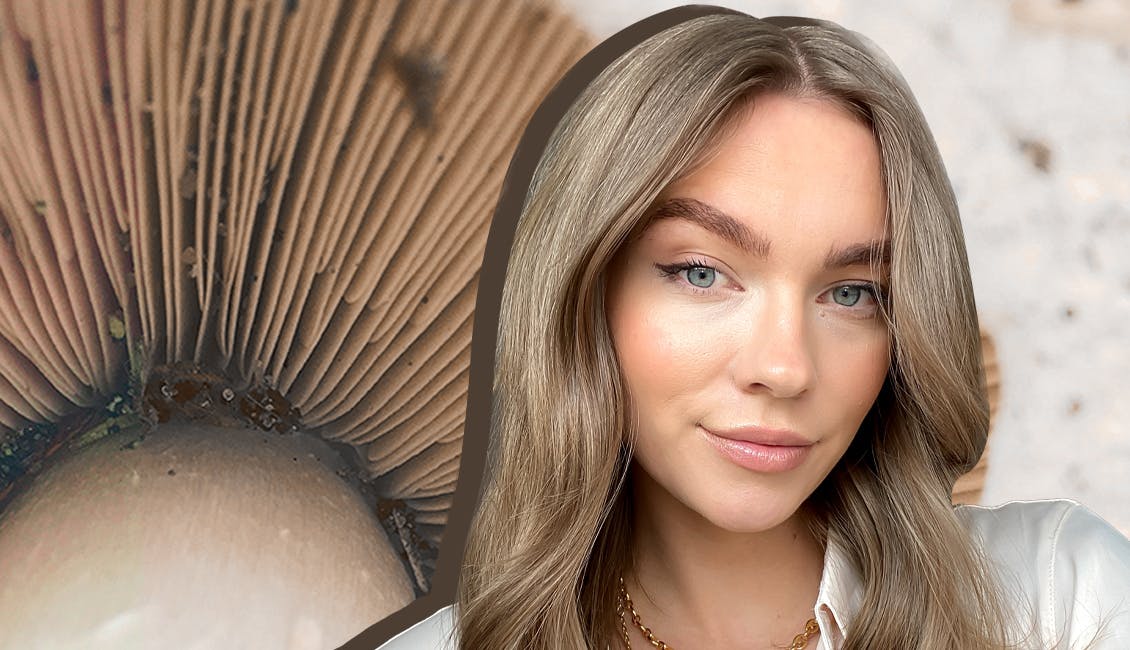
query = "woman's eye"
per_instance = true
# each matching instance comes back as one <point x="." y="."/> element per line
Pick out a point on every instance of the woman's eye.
<point x="700" y="276"/>
<point x="847" y="295"/>
<point x="697" y="274"/>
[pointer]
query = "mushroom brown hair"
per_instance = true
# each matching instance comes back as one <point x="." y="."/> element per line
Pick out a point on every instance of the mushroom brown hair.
<point x="264" y="218"/>
<point x="562" y="426"/>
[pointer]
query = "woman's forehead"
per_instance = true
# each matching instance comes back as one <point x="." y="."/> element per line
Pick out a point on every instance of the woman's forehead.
<point x="680" y="216"/>
<point x="791" y="166"/>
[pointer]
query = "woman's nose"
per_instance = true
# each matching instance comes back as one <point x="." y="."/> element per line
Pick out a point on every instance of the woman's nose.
<point x="777" y="356"/>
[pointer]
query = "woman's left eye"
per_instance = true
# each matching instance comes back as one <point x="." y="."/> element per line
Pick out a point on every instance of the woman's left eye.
<point x="849" y="295"/>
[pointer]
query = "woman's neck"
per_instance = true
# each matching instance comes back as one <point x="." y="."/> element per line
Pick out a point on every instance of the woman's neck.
<point x="698" y="585"/>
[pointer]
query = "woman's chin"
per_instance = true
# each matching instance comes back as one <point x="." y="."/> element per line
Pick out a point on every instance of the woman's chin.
<point x="746" y="517"/>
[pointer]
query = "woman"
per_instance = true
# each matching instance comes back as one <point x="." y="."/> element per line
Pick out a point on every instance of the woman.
<point x="739" y="372"/>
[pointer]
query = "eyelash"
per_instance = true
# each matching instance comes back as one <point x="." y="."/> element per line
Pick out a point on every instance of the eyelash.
<point x="673" y="270"/>
<point x="877" y="292"/>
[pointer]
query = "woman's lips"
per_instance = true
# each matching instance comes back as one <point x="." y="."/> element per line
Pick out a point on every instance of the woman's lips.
<point x="760" y="450"/>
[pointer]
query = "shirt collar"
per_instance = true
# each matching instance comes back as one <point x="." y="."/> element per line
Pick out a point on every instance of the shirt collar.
<point x="841" y="594"/>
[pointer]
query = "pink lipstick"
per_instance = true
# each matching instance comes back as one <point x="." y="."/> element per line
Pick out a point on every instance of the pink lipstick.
<point x="760" y="449"/>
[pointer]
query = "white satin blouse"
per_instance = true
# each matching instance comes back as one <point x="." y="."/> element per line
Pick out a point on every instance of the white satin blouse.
<point x="1068" y="569"/>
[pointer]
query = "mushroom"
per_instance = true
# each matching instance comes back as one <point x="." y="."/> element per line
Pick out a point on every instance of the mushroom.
<point x="239" y="249"/>
<point x="970" y="485"/>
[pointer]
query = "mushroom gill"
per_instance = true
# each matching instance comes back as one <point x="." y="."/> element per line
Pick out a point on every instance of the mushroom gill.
<point x="260" y="216"/>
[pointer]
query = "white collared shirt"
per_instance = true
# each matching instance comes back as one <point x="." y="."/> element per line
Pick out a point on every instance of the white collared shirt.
<point x="1066" y="568"/>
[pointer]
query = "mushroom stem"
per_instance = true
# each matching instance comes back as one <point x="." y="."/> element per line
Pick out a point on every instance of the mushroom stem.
<point x="212" y="536"/>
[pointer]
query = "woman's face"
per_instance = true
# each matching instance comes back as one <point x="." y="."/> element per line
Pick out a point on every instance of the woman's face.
<point x="745" y="317"/>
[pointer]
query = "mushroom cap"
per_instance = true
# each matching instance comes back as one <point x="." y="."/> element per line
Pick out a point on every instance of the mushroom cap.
<point x="284" y="202"/>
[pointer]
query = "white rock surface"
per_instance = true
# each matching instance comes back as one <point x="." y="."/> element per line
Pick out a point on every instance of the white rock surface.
<point x="1049" y="250"/>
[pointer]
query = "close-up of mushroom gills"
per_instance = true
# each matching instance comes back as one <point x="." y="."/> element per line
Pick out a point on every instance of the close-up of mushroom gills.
<point x="258" y="213"/>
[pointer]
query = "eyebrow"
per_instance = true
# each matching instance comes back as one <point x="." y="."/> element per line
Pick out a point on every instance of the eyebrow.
<point x="865" y="254"/>
<point x="716" y="222"/>
<point x="737" y="233"/>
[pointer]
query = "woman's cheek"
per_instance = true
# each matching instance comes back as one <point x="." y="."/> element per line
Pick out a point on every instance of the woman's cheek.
<point x="666" y="341"/>
<point x="854" y="367"/>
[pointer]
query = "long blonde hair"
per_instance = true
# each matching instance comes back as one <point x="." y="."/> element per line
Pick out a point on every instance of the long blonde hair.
<point x="553" y="526"/>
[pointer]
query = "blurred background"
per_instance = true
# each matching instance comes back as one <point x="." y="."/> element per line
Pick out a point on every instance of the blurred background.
<point x="1029" y="101"/>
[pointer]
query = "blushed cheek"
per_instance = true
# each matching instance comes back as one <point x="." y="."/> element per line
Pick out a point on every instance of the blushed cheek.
<point x="640" y="343"/>
<point x="653" y="350"/>
<point x="860" y="375"/>
<point x="662" y="353"/>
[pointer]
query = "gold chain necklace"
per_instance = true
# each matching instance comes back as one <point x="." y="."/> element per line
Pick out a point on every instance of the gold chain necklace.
<point x="624" y="606"/>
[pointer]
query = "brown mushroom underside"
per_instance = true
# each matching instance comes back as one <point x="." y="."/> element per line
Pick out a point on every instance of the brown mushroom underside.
<point x="257" y="199"/>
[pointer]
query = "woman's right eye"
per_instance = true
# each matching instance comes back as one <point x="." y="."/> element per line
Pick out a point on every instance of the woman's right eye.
<point x="697" y="274"/>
